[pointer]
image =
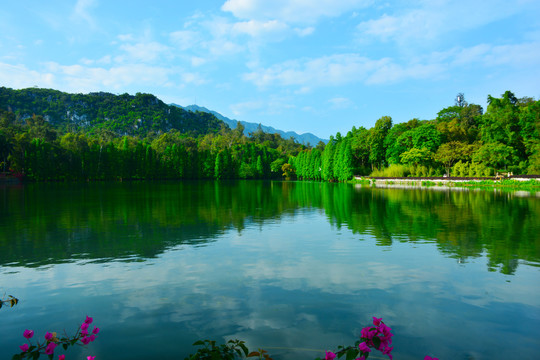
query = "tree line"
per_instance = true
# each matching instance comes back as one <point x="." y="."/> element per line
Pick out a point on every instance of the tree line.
<point x="37" y="150"/>
<point x="461" y="141"/>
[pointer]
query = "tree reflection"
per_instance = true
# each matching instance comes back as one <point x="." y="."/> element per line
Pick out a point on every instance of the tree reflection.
<point x="52" y="223"/>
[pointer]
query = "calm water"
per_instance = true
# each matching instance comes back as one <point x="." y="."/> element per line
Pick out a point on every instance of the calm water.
<point x="294" y="268"/>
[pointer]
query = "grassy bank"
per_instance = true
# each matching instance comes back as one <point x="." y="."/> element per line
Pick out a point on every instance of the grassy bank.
<point x="511" y="184"/>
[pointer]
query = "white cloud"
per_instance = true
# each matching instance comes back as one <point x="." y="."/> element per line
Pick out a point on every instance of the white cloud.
<point x="79" y="78"/>
<point x="255" y="28"/>
<point x="107" y="59"/>
<point x="341" y="69"/>
<point x="515" y="55"/>
<point x="143" y="51"/>
<point x="223" y="47"/>
<point x="126" y="37"/>
<point x="389" y="72"/>
<point x="81" y="11"/>
<point x="19" y="76"/>
<point x="291" y="11"/>
<point x="185" y="39"/>
<point x="331" y="70"/>
<point x="341" y="103"/>
<point x="197" y="61"/>
<point x="193" y="78"/>
<point x="305" y="31"/>
<point x="429" y="20"/>
<point x="242" y="107"/>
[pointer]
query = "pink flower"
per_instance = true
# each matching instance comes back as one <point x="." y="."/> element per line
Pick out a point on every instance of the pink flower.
<point x="90" y="357"/>
<point x="430" y="358"/>
<point x="62" y="357"/>
<point x="376" y="321"/>
<point x="48" y="336"/>
<point x="24" y="348"/>
<point x="363" y="347"/>
<point x="368" y="333"/>
<point x="95" y="331"/>
<point x="361" y="358"/>
<point x="88" y="320"/>
<point x="84" y="332"/>
<point x="329" y="355"/>
<point x="92" y="338"/>
<point x="384" y="329"/>
<point x="385" y="341"/>
<point x="49" y="350"/>
<point x="387" y="352"/>
<point x="85" y="340"/>
<point x="28" y="333"/>
<point x="84" y="326"/>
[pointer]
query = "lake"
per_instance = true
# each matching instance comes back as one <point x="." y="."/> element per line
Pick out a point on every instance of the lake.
<point x="295" y="268"/>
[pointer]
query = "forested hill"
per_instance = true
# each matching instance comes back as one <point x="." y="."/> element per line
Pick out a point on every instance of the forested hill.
<point x="122" y="114"/>
<point x="249" y="127"/>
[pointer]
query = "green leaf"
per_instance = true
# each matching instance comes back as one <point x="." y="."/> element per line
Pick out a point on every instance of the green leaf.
<point x="16" y="356"/>
<point x="253" y="353"/>
<point x="351" y="354"/>
<point x="198" y="342"/>
<point x="244" y="348"/>
<point x="376" y="342"/>
<point x="65" y="346"/>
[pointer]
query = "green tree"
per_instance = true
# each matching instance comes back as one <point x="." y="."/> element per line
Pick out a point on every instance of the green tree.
<point x="360" y="150"/>
<point x="288" y="171"/>
<point x="376" y="141"/>
<point x="417" y="157"/>
<point x="426" y="136"/>
<point x="276" y="165"/>
<point x="450" y="153"/>
<point x="500" y="124"/>
<point x="495" y="155"/>
<point x="327" y="171"/>
<point x="219" y="166"/>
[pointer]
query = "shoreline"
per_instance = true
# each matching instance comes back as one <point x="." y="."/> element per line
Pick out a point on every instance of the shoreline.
<point x="529" y="183"/>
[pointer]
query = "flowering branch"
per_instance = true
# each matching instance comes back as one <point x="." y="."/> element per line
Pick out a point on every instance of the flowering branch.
<point x="82" y="337"/>
<point x="377" y="337"/>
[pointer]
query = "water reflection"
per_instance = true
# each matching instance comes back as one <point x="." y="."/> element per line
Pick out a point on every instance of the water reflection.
<point x="282" y="265"/>
<point x="54" y="223"/>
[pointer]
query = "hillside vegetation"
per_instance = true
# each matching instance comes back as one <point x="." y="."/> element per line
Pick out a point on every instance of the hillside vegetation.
<point x="462" y="141"/>
<point x="49" y="135"/>
<point x="121" y="114"/>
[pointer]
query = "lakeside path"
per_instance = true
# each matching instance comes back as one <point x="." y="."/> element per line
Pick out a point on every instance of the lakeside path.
<point x="446" y="180"/>
<point x="529" y="183"/>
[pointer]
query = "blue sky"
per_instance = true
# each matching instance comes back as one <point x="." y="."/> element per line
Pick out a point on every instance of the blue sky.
<point x="308" y="66"/>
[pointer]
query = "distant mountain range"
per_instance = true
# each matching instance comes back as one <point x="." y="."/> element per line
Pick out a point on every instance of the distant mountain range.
<point x="125" y="114"/>
<point x="252" y="127"/>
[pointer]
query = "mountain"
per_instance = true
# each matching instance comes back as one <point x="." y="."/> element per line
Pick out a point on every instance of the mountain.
<point x="252" y="127"/>
<point x="122" y="114"/>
